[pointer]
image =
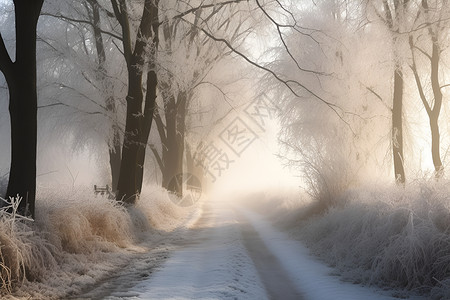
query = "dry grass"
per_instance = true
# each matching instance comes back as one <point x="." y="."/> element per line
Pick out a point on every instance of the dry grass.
<point x="77" y="238"/>
<point x="23" y="253"/>
<point x="388" y="237"/>
<point x="379" y="235"/>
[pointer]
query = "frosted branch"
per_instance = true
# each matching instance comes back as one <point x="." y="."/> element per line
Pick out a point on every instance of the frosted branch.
<point x="90" y="23"/>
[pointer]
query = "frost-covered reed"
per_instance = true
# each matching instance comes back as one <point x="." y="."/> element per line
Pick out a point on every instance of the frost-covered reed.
<point x="24" y="254"/>
<point x="388" y="236"/>
<point x="76" y="238"/>
<point x="383" y="235"/>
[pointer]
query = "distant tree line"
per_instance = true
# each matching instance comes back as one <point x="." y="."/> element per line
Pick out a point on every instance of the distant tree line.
<point x="139" y="62"/>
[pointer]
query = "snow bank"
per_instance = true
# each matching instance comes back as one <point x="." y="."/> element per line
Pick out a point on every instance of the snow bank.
<point x="78" y="238"/>
<point x="387" y="236"/>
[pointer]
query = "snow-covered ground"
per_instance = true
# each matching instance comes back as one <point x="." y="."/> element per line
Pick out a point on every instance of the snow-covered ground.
<point x="236" y="254"/>
<point x="214" y="266"/>
<point x="213" y="250"/>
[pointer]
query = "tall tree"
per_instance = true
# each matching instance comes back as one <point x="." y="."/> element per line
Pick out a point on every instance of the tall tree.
<point x="393" y="16"/>
<point x="21" y="79"/>
<point x="185" y="46"/>
<point x="177" y="92"/>
<point x="139" y="113"/>
<point x="432" y="106"/>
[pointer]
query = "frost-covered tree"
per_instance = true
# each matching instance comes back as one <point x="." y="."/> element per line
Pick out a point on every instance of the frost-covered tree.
<point x="20" y="75"/>
<point x="83" y="89"/>
<point x="428" y="40"/>
<point x="337" y="58"/>
<point x="182" y="48"/>
<point x="394" y="14"/>
<point x="186" y="58"/>
<point x="140" y="37"/>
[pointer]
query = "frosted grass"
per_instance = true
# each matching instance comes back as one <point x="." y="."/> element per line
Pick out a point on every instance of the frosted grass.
<point x="388" y="236"/>
<point x="78" y="238"/>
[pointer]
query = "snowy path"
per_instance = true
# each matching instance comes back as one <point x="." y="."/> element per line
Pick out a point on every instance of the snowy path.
<point x="235" y="254"/>
<point x="215" y="266"/>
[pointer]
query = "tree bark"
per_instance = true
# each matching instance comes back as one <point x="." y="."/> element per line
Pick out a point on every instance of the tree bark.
<point x="435" y="146"/>
<point x="21" y="80"/>
<point x="150" y="103"/>
<point x="127" y="185"/>
<point x="397" y="127"/>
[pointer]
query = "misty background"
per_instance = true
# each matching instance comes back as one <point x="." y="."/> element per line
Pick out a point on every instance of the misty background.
<point x="343" y="102"/>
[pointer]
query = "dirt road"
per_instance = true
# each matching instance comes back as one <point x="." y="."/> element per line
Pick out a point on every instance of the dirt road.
<point x="228" y="254"/>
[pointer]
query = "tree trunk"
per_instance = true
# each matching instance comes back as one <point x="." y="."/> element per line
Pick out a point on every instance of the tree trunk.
<point x="172" y="173"/>
<point x="130" y="177"/>
<point x="150" y="103"/>
<point x="21" y="79"/>
<point x="173" y="146"/>
<point x="434" y="113"/>
<point x="23" y="117"/>
<point x="433" y="109"/>
<point x="127" y="185"/>
<point x="115" y="157"/>
<point x="435" y="145"/>
<point x="397" y="102"/>
<point x="181" y="131"/>
<point x="193" y="165"/>
<point x="397" y="127"/>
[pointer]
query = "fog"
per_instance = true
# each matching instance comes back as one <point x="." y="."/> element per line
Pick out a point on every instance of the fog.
<point x="330" y="118"/>
<point x="340" y="86"/>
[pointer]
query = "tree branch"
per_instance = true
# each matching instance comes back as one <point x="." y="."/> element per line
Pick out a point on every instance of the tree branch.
<point x="160" y="126"/>
<point x="68" y="19"/>
<point x="280" y="35"/>
<point x="195" y="9"/>
<point x="423" y="52"/>
<point x="157" y="157"/>
<point x="286" y="83"/>
<point x="69" y="106"/>
<point x="417" y="78"/>
<point x="378" y="97"/>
